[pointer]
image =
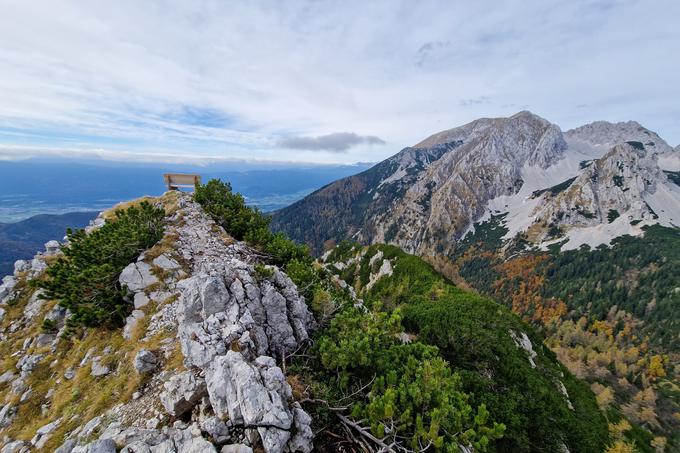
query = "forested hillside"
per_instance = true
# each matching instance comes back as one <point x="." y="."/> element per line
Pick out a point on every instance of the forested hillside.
<point x="501" y="362"/>
<point x="611" y="314"/>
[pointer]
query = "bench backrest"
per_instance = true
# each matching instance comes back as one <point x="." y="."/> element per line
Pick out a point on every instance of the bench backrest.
<point x="177" y="180"/>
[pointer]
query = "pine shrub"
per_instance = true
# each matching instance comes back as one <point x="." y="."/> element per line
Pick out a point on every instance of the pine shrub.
<point x="85" y="279"/>
<point x="246" y="223"/>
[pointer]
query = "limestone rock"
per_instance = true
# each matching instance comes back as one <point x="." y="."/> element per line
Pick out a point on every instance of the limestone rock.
<point x="67" y="446"/>
<point x="44" y="433"/>
<point x="145" y="361"/>
<point x="182" y="392"/>
<point x="131" y="323"/>
<point x="236" y="448"/>
<point x="52" y="248"/>
<point x="28" y="363"/>
<point x="137" y="276"/>
<point x="166" y="263"/>
<point x="98" y="369"/>
<point x="141" y="300"/>
<point x="17" y="446"/>
<point x="98" y="446"/>
<point x="216" y="428"/>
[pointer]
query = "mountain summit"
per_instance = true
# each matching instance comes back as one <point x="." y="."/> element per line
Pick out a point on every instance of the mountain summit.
<point x="427" y="197"/>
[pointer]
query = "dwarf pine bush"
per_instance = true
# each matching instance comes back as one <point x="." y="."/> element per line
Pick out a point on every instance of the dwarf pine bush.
<point x="245" y="223"/>
<point x="85" y="279"/>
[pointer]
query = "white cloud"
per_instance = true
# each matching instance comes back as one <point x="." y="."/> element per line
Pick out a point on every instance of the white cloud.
<point x="337" y="142"/>
<point x="231" y="79"/>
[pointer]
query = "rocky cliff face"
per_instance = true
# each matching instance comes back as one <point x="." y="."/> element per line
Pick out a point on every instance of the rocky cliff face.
<point x="194" y="369"/>
<point x="613" y="195"/>
<point x="428" y="197"/>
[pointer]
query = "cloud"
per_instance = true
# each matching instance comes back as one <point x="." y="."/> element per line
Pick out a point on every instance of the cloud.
<point x="229" y="79"/>
<point x="338" y="142"/>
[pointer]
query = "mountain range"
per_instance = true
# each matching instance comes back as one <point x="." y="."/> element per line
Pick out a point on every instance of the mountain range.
<point x="585" y="186"/>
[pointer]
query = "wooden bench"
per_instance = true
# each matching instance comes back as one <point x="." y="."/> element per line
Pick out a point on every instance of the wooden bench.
<point x="175" y="181"/>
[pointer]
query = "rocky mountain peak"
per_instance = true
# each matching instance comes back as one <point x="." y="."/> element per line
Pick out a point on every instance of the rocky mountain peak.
<point x="606" y="134"/>
<point x="535" y="140"/>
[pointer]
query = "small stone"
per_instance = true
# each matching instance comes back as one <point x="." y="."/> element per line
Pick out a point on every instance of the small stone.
<point x="87" y="357"/>
<point x="97" y="369"/>
<point x="69" y="374"/>
<point x="136" y="396"/>
<point x="152" y="423"/>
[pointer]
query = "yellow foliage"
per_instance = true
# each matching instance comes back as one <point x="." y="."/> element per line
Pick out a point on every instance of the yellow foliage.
<point x="621" y="447"/>
<point x="616" y="430"/>
<point x="655" y="369"/>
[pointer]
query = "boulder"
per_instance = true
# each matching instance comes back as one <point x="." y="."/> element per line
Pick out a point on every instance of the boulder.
<point x="303" y="440"/>
<point x="216" y="428"/>
<point x="21" y="266"/>
<point x="57" y="315"/>
<point x="252" y="395"/>
<point x="90" y="427"/>
<point x="7" y="413"/>
<point x="33" y="306"/>
<point x="145" y="361"/>
<point x="182" y="392"/>
<point x="44" y="339"/>
<point x="7" y="376"/>
<point x="137" y="276"/>
<point x="28" y="363"/>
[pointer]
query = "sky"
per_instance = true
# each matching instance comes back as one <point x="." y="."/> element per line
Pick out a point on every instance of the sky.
<point x="319" y="81"/>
